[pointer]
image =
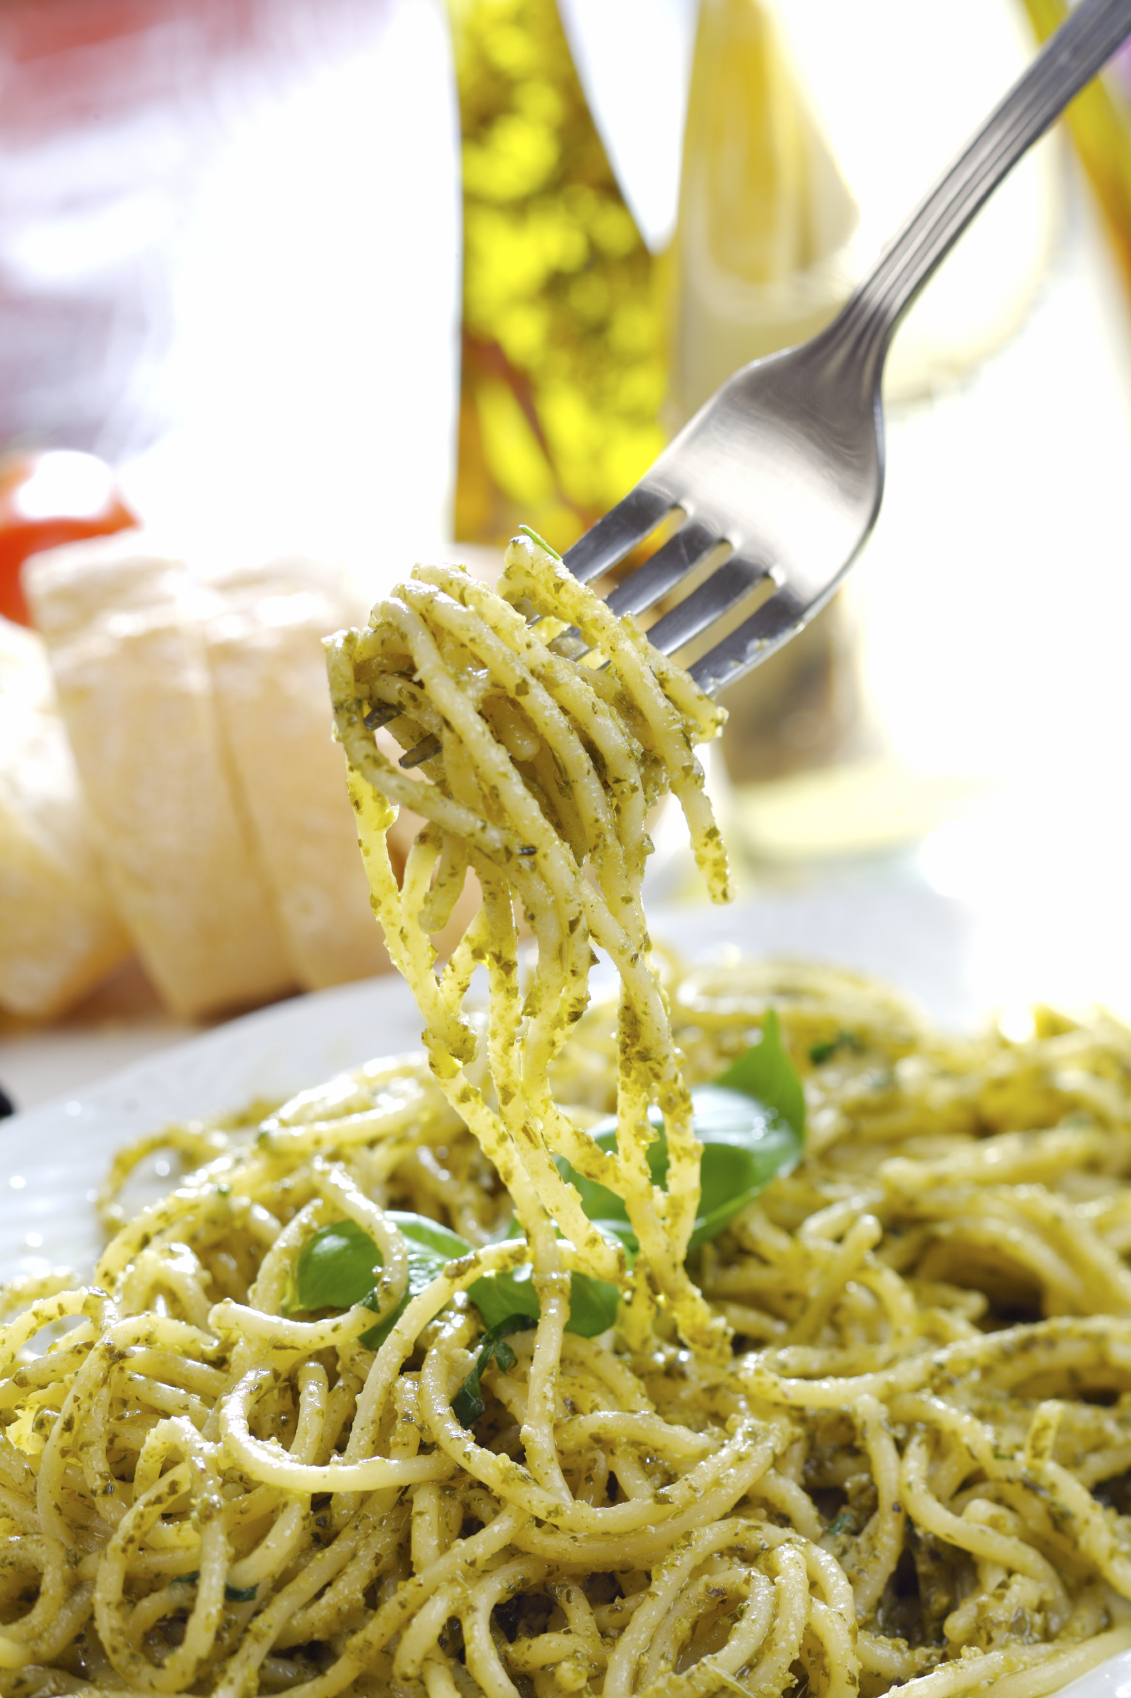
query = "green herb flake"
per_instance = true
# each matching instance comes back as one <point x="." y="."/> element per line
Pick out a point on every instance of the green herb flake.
<point x="541" y="541"/>
<point x="468" y="1404"/>
<point x="820" y="1053"/>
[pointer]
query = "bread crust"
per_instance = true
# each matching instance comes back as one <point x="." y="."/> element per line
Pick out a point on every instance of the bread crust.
<point x="59" y="934"/>
<point x="122" y="620"/>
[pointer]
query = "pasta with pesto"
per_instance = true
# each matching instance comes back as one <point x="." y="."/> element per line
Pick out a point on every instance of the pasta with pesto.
<point x="873" y="1431"/>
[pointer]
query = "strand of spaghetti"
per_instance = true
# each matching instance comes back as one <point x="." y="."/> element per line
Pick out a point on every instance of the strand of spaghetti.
<point x="537" y="1432"/>
<point x="419" y="1639"/>
<point x="446" y="1025"/>
<point x="668" y="1580"/>
<point x="556" y="695"/>
<point x="894" y="1659"/>
<point x="578" y="1611"/>
<point x="374" y="1555"/>
<point x="641" y="1549"/>
<point x="981" y="1542"/>
<point x="1092" y="1530"/>
<point x="190" y="1142"/>
<point x="270" y="1464"/>
<point x="895" y="1297"/>
<point x="66" y="1624"/>
<point x="279" y="1337"/>
<point x="720" y="1585"/>
<point x="742" y="1643"/>
<point x="453" y="612"/>
<point x="632" y="657"/>
<point x="278" y="1546"/>
<point x="613" y="1376"/>
<point x="978" y="1673"/>
<point x="651" y="1431"/>
<point x="57" y="1577"/>
<point x="382" y="775"/>
<point x="792" y="1501"/>
<point x="263" y="1631"/>
<point x="475" y="1617"/>
<point x="184" y="1211"/>
<point x="880" y="1545"/>
<point x="1105" y="1278"/>
<point x="515" y="1484"/>
<point x="1062" y="1342"/>
<point x="84" y="1389"/>
<point x="520" y="1116"/>
<point x="175" y="1270"/>
<point x="1062" y="1666"/>
<point x="338" y="1187"/>
<point x="457" y="1276"/>
<point x="838" y="1642"/>
<point x="497" y="777"/>
<point x="267" y="1292"/>
<point x="791" y="1613"/>
<point x="858" y="1241"/>
<point x="438" y="1683"/>
<point x="974" y="1441"/>
<point x="179" y="1669"/>
<point x="461" y="1561"/>
<point x="55" y="1307"/>
<point x="648" y="1065"/>
<point x="521" y="1104"/>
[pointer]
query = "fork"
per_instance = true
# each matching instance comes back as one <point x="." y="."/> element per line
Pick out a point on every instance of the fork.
<point x="785" y="463"/>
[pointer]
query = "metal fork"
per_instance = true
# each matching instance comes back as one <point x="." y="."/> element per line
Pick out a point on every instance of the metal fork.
<point x="785" y="463"/>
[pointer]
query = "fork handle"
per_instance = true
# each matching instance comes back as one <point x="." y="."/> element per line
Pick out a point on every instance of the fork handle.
<point x="1068" y="60"/>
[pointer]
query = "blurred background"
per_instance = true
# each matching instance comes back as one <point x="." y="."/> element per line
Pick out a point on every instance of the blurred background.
<point x="359" y="282"/>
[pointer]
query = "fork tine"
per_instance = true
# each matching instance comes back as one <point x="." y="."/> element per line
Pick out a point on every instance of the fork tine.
<point x="715" y="596"/>
<point x="668" y="566"/>
<point x="755" y="639"/>
<point x="622" y="527"/>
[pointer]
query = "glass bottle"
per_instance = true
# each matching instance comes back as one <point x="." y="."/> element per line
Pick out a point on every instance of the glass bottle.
<point x="564" y="362"/>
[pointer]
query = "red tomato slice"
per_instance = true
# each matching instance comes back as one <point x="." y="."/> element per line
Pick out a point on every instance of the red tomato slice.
<point x="50" y="498"/>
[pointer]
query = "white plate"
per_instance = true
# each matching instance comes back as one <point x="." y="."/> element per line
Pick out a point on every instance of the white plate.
<point x="53" y="1157"/>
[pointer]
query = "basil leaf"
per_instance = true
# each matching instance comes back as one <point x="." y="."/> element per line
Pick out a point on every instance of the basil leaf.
<point x="468" y="1404"/>
<point x="430" y="1248"/>
<point x="765" y="1072"/>
<point x="751" y="1123"/>
<point x="336" y="1268"/>
<point x="593" y="1305"/>
<point x="339" y="1265"/>
<point x="745" y="1147"/>
<point x="499" y="1295"/>
<point x="592" y="1302"/>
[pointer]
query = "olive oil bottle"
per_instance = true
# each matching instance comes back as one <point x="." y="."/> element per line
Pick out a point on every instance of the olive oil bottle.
<point x="1099" y="121"/>
<point x="564" y="363"/>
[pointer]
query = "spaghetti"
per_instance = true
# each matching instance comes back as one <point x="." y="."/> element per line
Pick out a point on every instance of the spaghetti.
<point x="876" y="1432"/>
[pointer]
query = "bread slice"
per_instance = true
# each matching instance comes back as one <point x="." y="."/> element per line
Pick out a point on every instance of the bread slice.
<point x="123" y="625"/>
<point x="59" y="934"/>
<point x="269" y="670"/>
